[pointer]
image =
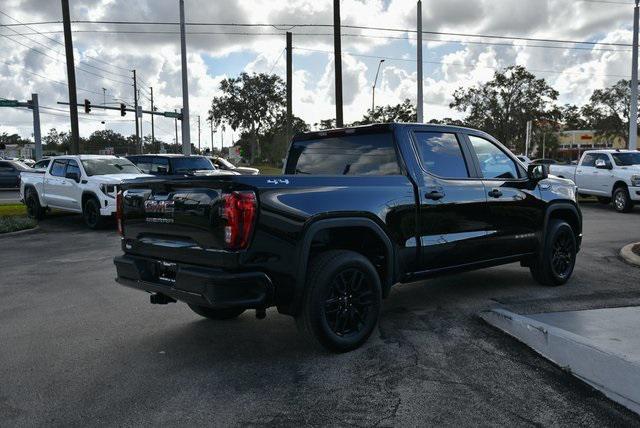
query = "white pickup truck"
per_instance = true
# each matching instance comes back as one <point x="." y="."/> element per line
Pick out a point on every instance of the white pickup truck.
<point x="84" y="184"/>
<point x="610" y="175"/>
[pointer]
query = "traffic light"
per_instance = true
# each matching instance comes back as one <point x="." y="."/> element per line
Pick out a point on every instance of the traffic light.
<point x="87" y="106"/>
<point x="123" y="109"/>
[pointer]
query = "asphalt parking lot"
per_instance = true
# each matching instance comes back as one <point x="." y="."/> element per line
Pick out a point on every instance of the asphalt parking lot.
<point x="8" y="196"/>
<point x="78" y="349"/>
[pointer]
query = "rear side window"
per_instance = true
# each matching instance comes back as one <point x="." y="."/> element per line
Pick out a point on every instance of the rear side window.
<point x="365" y="154"/>
<point x="441" y="154"/>
<point x="160" y="165"/>
<point x="58" y="167"/>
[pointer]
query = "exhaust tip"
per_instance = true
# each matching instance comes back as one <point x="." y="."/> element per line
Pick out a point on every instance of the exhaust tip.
<point x="160" y="299"/>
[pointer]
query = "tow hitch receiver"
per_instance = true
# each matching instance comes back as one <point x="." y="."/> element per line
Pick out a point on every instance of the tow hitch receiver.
<point x="160" y="299"/>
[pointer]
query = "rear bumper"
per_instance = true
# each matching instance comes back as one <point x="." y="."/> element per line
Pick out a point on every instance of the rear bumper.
<point x="194" y="284"/>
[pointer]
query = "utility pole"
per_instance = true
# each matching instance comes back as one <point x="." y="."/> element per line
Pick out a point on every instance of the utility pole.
<point x="135" y="106"/>
<point x="420" y="102"/>
<point x="141" y="131"/>
<point x="289" y="84"/>
<point x="35" y="106"/>
<point x="222" y="139"/>
<point x="199" y="134"/>
<point x="175" y="122"/>
<point x="153" y="126"/>
<point x="71" y="78"/>
<point x="186" y="138"/>
<point x="373" y="92"/>
<point x="527" y="138"/>
<point x="337" y="60"/>
<point x="633" y="110"/>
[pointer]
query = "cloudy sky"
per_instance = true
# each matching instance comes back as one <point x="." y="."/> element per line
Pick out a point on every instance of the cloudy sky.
<point x="32" y="58"/>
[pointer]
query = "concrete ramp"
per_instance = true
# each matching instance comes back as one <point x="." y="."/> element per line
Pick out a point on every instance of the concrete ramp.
<point x="599" y="346"/>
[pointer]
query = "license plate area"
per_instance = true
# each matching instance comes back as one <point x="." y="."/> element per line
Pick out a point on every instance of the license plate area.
<point x="166" y="272"/>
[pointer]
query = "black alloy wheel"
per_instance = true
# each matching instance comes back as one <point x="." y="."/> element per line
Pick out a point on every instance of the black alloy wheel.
<point x="349" y="302"/>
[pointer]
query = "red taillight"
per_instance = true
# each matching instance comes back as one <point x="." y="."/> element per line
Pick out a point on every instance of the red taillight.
<point x="119" y="213"/>
<point x="240" y="212"/>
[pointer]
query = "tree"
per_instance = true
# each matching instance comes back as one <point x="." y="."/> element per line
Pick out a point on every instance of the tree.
<point x="403" y="112"/>
<point x="250" y="103"/>
<point x="608" y="110"/>
<point x="503" y="105"/>
<point x="13" y="139"/>
<point x="571" y="118"/>
<point x="447" y="121"/>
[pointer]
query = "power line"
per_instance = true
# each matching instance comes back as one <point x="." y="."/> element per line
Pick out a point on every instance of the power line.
<point x="276" y="61"/>
<point x="60" y="43"/>
<point x="286" y="27"/>
<point x="448" y="63"/>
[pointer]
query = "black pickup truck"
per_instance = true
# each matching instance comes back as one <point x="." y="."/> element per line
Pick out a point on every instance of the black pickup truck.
<point x="356" y="211"/>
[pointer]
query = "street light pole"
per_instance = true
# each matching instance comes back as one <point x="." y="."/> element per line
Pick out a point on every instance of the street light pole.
<point x="420" y="102"/>
<point x="633" y="110"/>
<point x="186" y="137"/>
<point x="373" y="93"/>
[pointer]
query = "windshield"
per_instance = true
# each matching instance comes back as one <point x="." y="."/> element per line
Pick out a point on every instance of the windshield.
<point x="193" y="163"/>
<point x="626" y="159"/>
<point x="109" y="166"/>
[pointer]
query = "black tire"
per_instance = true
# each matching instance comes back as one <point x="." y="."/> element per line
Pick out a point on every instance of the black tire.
<point x="554" y="265"/>
<point x="91" y="214"/>
<point x="217" y="314"/>
<point x="34" y="209"/>
<point x="342" y="301"/>
<point x="621" y="200"/>
<point x="604" y="201"/>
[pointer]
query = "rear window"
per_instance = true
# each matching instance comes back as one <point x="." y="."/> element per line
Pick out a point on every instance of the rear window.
<point x="193" y="163"/>
<point x="366" y="154"/>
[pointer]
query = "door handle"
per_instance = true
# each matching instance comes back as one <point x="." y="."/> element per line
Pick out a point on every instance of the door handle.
<point x="434" y="195"/>
<point x="495" y="193"/>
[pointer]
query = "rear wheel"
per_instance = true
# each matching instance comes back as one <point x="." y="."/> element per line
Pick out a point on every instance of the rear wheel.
<point x="342" y="301"/>
<point x="603" y="200"/>
<point x="217" y="314"/>
<point x="34" y="209"/>
<point x="554" y="265"/>
<point x="621" y="200"/>
<point x="91" y="214"/>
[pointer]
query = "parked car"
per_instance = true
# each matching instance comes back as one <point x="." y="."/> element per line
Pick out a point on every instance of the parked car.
<point x="27" y="162"/>
<point x="84" y="184"/>
<point x="544" y="162"/>
<point x="357" y="211"/>
<point x="10" y="174"/>
<point x="610" y="175"/>
<point x="176" y="165"/>
<point x="225" y="165"/>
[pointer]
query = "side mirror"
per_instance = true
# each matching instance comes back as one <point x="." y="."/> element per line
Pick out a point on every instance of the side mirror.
<point x="73" y="176"/>
<point x="537" y="172"/>
<point x="602" y="164"/>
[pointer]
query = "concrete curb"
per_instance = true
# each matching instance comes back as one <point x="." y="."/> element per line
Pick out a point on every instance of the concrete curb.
<point x="629" y="256"/>
<point x="19" y="232"/>
<point x="612" y="374"/>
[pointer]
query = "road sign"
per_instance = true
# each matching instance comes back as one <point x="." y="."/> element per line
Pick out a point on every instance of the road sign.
<point x="9" y="103"/>
<point x="172" y="114"/>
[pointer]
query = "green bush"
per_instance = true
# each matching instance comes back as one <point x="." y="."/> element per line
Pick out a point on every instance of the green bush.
<point x="15" y="223"/>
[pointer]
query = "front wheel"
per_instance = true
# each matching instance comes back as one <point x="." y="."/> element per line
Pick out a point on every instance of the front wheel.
<point x="217" y="314"/>
<point x="621" y="200"/>
<point x="555" y="264"/>
<point x="342" y="301"/>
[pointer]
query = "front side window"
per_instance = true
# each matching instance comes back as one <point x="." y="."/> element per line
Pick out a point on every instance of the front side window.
<point x="441" y="154"/>
<point x="160" y="166"/>
<point x="605" y="158"/>
<point x="494" y="163"/>
<point x="72" y="167"/>
<point x="58" y="167"/>
<point x="356" y="154"/>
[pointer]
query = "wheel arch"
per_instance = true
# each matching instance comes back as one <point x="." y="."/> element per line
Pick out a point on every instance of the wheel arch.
<point x="86" y="195"/>
<point x="618" y="184"/>
<point x="319" y="227"/>
<point x="31" y="187"/>
<point x="567" y="212"/>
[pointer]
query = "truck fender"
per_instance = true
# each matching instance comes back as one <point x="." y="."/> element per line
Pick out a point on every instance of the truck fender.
<point x="564" y="206"/>
<point x="304" y="249"/>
